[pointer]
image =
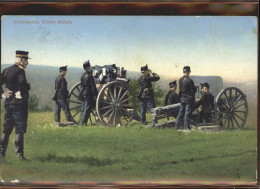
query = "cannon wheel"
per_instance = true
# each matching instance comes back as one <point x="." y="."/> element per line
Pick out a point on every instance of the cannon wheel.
<point x="231" y="108"/>
<point x="116" y="105"/>
<point x="75" y="106"/>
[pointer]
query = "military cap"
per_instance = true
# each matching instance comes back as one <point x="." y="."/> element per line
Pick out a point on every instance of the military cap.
<point x="205" y="85"/>
<point x="22" y="54"/>
<point x="63" y="68"/>
<point x="186" y="69"/>
<point x="144" y="68"/>
<point x="86" y="64"/>
<point x="173" y="83"/>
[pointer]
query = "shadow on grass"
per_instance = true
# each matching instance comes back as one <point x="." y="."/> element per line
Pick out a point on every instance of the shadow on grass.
<point x="213" y="157"/>
<point x="91" y="161"/>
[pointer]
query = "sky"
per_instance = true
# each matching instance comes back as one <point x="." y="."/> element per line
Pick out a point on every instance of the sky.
<point x="223" y="46"/>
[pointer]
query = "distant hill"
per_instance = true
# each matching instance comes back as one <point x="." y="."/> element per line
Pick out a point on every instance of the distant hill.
<point x="42" y="80"/>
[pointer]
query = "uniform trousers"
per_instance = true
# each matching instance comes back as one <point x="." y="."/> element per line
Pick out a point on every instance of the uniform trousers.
<point x="184" y="115"/>
<point x="62" y="103"/>
<point x="16" y="116"/>
<point x="146" y="102"/>
<point x="85" y="110"/>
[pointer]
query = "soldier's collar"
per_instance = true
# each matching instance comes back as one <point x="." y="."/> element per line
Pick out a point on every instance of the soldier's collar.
<point x="21" y="67"/>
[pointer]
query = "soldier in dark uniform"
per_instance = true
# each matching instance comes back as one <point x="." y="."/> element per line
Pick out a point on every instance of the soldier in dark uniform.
<point x="172" y="97"/>
<point x="207" y="104"/>
<point x="146" y="91"/>
<point x="61" y="96"/>
<point x="16" y="104"/>
<point x="88" y="93"/>
<point x="187" y="99"/>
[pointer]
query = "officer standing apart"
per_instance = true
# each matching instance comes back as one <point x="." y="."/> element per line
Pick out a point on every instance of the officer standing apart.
<point x="61" y="96"/>
<point x="172" y="97"/>
<point x="146" y="91"/>
<point x="88" y="92"/>
<point x="187" y="99"/>
<point x="16" y="104"/>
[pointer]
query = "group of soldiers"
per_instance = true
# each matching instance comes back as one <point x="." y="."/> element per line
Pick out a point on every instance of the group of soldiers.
<point x="186" y="98"/>
<point x="87" y="93"/>
<point x="16" y="95"/>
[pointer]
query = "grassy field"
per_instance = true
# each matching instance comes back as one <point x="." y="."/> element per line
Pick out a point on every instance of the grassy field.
<point x="106" y="154"/>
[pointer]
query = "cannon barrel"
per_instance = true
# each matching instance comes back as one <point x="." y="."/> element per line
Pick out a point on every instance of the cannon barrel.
<point x="166" y="111"/>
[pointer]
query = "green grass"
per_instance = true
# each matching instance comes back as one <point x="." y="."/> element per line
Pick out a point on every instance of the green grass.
<point x="106" y="154"/>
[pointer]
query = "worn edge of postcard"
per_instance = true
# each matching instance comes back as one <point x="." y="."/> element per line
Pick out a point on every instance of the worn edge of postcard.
<point x="171" y="8"/>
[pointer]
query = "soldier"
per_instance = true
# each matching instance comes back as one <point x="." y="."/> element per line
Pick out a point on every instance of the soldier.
<point x="207" y="104"/>
<point x="187" y="99"/>
<point x="172" y="96"/>
<point x="88" y="91"/>
<point x="146" y="91"/>
<point x="61" y="96"/>
<point x="16" y="104"/>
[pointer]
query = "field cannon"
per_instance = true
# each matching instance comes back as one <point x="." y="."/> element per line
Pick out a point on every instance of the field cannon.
<point x="230" y="110"/>
<point x="115" y="104"/>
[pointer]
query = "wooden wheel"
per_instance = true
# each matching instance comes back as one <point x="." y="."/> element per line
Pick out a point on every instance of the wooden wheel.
<point x="116" y="104"/>
<point x="75" y="106"/>
<point x="231" y="108"/>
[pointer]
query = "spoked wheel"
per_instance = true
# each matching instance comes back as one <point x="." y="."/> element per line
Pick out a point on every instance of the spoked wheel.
<point x="231" y="108"/>
<point x="116" y="104"/>
<point x="75" y="106"/>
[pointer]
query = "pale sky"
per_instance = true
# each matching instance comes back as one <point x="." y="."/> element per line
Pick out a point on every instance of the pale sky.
<point x="223" y="46"/>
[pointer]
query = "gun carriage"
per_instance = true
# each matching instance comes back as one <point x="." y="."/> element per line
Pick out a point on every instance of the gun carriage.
<point x="115" y="104"/>
<point x="230" y="110"/>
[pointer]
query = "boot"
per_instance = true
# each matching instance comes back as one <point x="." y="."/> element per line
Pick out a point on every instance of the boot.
<point x="3" y="144"/>
<point x="19" y="140"/>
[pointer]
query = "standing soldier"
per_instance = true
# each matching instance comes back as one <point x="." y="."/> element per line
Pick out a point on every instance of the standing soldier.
<point x="172" y="96"/>
<point x="61" y="96"/>
<point x="146" y="91"/>
<point x="16" y="104"/>
<point x="88" y="91"/>
<point x="187" y="99"/>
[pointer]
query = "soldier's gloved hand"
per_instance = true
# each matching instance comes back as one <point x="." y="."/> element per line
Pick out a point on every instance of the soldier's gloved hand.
<point x="7" y="93"/>
<point x="18" y="95"/>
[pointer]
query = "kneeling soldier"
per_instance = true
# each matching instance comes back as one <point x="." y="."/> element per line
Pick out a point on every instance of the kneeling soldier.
<point x="207" y="104"/>
<point x="146" y="91"/>
<point x="172" y="97"/>
<point x="88" y="91"/>
<point x="16" y="104"/>
<point x="61" y="96"/>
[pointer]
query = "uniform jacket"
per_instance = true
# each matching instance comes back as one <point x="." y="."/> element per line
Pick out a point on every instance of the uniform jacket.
<point x="187" y="89"/>
<point x="207" y="102"/>
<point x="171" y="98"/>
<point x="61" y="87"/>
<point x="15" y="80"/>
<point x="146" y="85"/>
<point x="88" y="86"/>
